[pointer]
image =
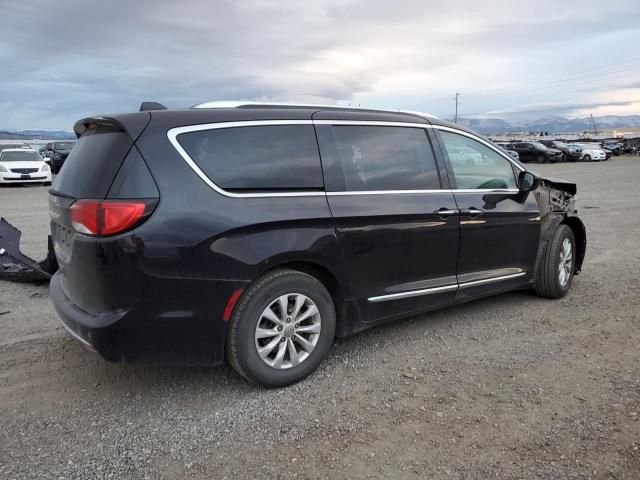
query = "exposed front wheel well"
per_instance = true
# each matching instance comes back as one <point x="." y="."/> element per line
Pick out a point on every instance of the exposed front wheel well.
<point x="580" y="235"/>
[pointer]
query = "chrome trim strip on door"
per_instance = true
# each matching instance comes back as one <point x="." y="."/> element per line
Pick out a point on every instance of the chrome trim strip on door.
<point x="444" y="288"/>
<point x="413" y="293"/>
<point x="491" y="280"/>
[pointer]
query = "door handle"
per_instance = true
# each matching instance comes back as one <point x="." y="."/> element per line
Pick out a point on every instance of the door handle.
<point x="472" y="212"/>
<point x="444" y="213"/>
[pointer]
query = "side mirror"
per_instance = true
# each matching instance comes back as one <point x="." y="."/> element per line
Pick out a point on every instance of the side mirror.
<point x="527" y="181"/>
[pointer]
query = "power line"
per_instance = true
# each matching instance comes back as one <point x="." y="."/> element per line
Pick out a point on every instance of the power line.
<point x="600" y="72"/>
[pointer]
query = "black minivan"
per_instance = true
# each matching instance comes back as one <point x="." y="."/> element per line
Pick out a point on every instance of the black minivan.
<point x="257" y="233"/>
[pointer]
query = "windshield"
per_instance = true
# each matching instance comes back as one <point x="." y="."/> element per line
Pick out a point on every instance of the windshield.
<point x="539" y="145"/>
<point x="65" y="146"/>
<point x="26" y="156"/>
<point x="560" y="144"/>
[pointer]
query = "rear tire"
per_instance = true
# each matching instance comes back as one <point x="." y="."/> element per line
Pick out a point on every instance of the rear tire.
<point x="540" y="159"/>
<point x="555" y="272"/>
<point x="262" y="336"/>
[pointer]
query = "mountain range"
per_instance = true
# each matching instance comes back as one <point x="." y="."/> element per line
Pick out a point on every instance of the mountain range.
<point x="36" y="135"/>
<point x="551" y="124"/>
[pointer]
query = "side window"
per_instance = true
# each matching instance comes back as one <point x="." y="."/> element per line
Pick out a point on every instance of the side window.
<point x="367" y="158"/>
<point x="269" y="157"/>
<point x="475" y="165"/>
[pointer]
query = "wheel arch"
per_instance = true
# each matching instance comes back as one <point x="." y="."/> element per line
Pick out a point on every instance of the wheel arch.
<point x="580" y="235"/>
<point x="327" y="277"/>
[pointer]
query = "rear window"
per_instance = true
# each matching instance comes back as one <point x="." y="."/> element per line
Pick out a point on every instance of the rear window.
<point x="92" y="164"/>
<point x="269" y="157"/>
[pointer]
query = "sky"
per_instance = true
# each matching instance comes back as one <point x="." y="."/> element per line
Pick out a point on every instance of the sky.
<point x="64" y="60"/>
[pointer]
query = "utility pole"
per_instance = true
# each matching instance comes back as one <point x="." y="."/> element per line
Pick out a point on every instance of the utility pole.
<point x="456" y="117"/>
<point x="592" y="124"/>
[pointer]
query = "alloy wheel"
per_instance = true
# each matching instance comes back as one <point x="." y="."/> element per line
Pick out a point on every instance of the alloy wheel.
<point x="288" y="331"/>
<point x="566" y="262"/>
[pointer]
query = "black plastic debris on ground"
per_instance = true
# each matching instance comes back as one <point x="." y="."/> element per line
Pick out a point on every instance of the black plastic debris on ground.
<point x="18" y="267"/>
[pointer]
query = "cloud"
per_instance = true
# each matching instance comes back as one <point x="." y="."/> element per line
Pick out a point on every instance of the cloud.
<point x="65" y="60"/>
<point x="566" y="108"/>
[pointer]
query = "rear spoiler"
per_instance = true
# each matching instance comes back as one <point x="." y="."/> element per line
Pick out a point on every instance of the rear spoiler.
<point x="132" y="123"/>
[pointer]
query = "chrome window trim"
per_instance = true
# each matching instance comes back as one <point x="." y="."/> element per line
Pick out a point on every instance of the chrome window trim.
<point x="173" y="133"/>
<point x="443" y="288"/>
<point x="414" y="192"/>
<point x="481" y="140"/>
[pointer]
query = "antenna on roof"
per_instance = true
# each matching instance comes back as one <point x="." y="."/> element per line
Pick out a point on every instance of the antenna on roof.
<point x="147" y="106"/>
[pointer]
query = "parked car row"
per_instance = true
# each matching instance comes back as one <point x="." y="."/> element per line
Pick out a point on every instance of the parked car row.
<point x="541" y="151"/>
<point x="533" y="152"/>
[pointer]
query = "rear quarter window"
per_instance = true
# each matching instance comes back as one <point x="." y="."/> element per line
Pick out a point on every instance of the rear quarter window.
<point x="92" y="164"/>
<point x="269" y="157"/>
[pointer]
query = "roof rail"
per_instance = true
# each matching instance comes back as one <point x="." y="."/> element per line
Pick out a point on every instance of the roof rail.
<point x="415" y="112"/>
<point x="241" y="104"/>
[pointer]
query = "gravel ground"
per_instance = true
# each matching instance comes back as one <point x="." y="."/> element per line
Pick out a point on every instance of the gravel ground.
<point x="508" y="387"/>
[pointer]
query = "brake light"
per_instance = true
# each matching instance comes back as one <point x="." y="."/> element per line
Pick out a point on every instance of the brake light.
<point x="106" y="217"/>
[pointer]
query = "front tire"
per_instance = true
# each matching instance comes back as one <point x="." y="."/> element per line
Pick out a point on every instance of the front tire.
<point x="555" y="272"/>
<point x="587" y="158"/>
<point x="282" y="328"/>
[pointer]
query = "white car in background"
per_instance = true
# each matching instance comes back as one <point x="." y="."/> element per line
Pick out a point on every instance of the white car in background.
<point x="21" y="165"/>
<point x="590" y="153"/>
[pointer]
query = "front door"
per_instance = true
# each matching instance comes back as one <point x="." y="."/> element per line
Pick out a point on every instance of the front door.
<point x="499" y="225"/>
<point x="396" y="227"/>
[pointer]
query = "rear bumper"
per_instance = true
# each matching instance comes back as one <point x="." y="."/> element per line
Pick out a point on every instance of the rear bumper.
<point x="180" y="322"/>
<point x="96" y="332"/>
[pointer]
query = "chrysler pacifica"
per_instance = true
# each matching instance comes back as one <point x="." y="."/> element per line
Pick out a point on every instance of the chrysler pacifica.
<point x="256" y="233"/>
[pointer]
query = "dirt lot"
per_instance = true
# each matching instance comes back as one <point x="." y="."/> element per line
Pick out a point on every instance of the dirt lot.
<point x="509" y="387"/>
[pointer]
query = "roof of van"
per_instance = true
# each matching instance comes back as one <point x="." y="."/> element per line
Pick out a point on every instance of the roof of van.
<point x="213" y="112"/>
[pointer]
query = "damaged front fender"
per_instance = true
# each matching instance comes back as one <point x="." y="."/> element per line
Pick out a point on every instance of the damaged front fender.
<point x="556" y="199"/>
<point x="15" y="266"/>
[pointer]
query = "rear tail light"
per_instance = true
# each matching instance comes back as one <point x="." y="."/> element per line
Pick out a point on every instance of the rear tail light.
<point x="109" y="217"/>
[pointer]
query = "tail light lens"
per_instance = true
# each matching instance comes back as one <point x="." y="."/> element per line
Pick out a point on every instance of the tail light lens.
<point x="109" y="217"/>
